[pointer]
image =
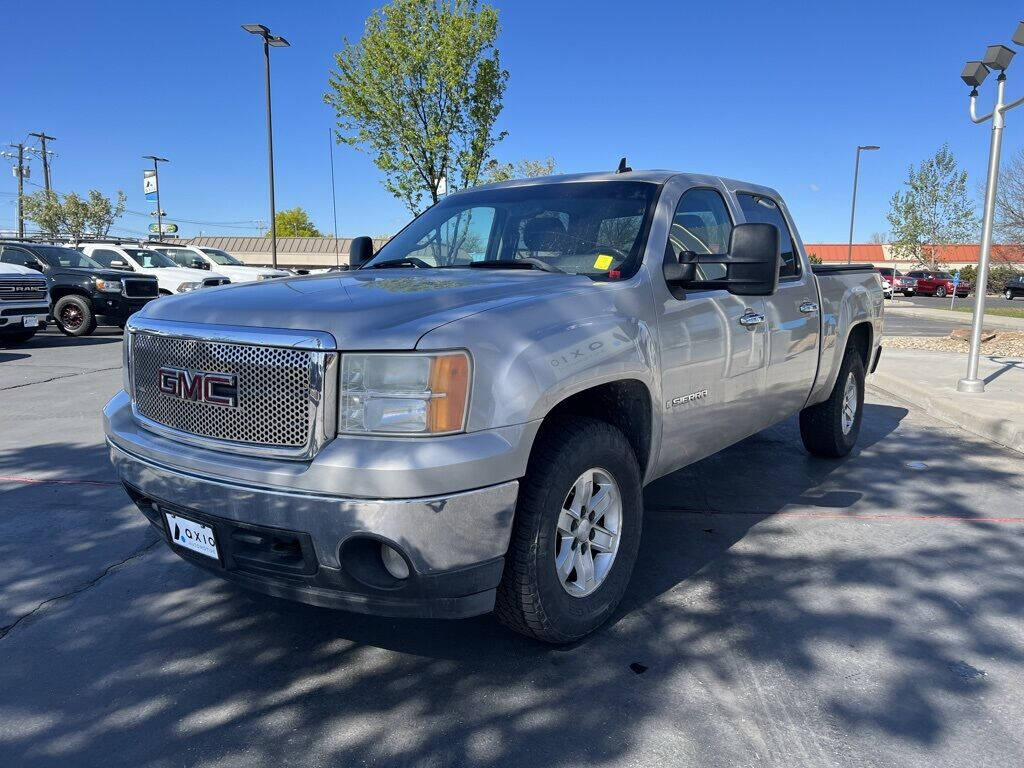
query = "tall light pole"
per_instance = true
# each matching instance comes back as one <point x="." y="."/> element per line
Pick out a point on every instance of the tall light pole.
<point x="156" y="178"/>
<point x="853" y="205"/>
<point x="277" y="42"/>
<point x="996" y="57"/>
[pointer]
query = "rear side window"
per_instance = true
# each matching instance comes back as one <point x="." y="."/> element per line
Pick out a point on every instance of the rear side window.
<point x="105" y="256"/>
<point x="701" y="224"/>
<point x="758" y="209"/>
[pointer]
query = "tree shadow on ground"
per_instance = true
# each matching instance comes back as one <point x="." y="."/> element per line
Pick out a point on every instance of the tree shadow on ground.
<point x="752" y="594"/>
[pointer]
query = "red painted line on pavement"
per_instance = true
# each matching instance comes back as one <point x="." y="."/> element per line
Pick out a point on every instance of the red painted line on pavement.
<point x="853" y="518"/>
<point x="53" y="481"/>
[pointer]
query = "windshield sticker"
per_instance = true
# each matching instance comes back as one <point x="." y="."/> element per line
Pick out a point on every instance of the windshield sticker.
<point x="603" y="261"/>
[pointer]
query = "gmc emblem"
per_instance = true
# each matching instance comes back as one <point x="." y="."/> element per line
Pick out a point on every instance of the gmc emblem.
<point x="199" y="386"/>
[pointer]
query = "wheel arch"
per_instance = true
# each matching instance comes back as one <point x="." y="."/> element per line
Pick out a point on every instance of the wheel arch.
<point x="625" y="404"/>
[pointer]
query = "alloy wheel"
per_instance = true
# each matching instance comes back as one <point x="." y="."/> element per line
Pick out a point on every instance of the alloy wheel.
<point x="589" y="527"/>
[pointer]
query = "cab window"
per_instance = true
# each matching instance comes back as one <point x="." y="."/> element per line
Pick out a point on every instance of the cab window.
<point x="702" y="225"/>
<point x="759" y="209"/>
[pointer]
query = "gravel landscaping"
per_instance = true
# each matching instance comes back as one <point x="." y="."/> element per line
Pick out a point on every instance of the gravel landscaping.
<point x="1008" y="343"/>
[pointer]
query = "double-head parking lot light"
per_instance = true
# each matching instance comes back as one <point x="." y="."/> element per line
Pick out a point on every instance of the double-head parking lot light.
<point x="277" y="42"/>
<point x="996" y="57"/>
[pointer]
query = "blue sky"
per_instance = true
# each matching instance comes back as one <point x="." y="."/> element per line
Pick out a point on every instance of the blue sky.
<point x="778" y="93"/>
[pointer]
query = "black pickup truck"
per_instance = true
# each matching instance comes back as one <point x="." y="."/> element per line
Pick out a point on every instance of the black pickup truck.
<point x="82" y="292"/>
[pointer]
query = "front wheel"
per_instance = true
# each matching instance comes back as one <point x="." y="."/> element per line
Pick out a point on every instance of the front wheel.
<point x="576" y="532"/>
<point x="74" y="316"/>
<point x="830" y="428"/>
<point x="1008" y="295"/>
<point x="940" y="292"/>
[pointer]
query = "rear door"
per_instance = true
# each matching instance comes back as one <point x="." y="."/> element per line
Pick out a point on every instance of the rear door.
<point x="793" y="315"/>
<point x="712" y="342"/>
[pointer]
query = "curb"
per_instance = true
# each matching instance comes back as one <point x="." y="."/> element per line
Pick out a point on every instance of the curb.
<point x="948" y="408"/>
<point x="992" y="321"/>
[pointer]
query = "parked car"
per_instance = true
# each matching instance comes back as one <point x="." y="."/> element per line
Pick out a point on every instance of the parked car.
<point x="24" y="303"/>
<point x="82" y="292"/>
<point x="466" y="422"/>
<point x="215" y="259"/>
<point x="939" y="284"/>
<point x="894" y="281"/>
<point x="1014" y="287"/>
<point x="170" y="277"/>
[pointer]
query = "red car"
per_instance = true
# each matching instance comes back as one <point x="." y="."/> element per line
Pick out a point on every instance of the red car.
<point x="938" y="284"/>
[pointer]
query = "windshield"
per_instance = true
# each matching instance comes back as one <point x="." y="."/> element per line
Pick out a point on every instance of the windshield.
<point x="595" y="229"/>
<point x="148" y="259"/>
<point x="56" y="256"/>
<point x="222" y="257"/>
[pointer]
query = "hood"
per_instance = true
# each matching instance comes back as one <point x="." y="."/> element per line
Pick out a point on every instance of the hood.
<point x="365" y="309"/>
<point x="102" y="274"/>
<point x="184" y="274"/>
<point x="8" y="270"/>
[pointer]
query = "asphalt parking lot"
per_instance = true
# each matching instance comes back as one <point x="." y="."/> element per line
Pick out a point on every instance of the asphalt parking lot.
<point x="931" y="302"/>
<point x="785" y="611"/>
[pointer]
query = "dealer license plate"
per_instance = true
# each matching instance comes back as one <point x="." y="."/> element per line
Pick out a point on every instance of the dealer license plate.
<point x="31" y="322"/>
<point x="191" y="535"/>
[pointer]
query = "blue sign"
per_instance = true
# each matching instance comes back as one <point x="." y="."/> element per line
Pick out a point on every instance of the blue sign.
<point x="956" y="278"/>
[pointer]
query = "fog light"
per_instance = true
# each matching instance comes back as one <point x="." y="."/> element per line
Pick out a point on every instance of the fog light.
<point x="394" y="563"/>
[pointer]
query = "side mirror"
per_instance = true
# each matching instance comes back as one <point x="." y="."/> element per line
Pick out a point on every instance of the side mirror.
<point x="35" y="264"/>
<point x="198" y="263"/>
<point x="360" y="251"/>
<point x="117" y="264"/>
<point x="751" y="266"/>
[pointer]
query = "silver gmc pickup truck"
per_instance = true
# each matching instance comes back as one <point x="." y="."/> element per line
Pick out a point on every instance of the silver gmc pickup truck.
<point x="465" y="422"/>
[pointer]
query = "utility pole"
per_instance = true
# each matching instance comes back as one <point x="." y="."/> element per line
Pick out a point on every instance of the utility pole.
<point x="43" y="138"/>
<point x="21" y="185"/>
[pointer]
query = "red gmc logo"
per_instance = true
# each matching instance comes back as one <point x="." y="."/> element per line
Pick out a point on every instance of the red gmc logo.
<point x="200" y="386"/>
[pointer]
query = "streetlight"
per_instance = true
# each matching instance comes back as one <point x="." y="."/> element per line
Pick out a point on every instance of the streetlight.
<point x="853" y="205"/>
<point x="156" y="180"/>
<point x="996" y="57"/>
<point x="277" y="42"/>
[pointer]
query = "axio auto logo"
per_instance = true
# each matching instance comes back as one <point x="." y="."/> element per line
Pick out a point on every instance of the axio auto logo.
<point x="199" y="386"/>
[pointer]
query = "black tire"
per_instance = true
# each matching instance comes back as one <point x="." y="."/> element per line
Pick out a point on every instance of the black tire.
<point x="74" y="316"/>
<point x="1008" y="295"/>
<point x="940" y="292"/>
<point x="17" y="337"/>
<point x="531" y="598"/>
<point x="821" y="425"/>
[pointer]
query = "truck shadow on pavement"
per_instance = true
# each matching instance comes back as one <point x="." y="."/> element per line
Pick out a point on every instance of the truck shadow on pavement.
<point x="773" y="591"/>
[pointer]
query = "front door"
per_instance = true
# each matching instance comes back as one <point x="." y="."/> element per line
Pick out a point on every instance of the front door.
<point x="713" y="343"/>
<point x="793" y="317"/>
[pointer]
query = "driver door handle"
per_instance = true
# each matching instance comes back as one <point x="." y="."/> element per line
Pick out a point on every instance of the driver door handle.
<point x="750" y="319"/>
<point x="808" y="306"/>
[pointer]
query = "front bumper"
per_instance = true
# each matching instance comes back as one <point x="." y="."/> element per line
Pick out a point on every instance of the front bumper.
<point x="12" y="319"/>
<point x="115" y="307"/>
<point x="325" y="550"/>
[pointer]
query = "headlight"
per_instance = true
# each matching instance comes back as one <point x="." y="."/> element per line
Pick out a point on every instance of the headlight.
<point x="406" y="394"/>
<point x="108" y="286"/>
<point x="186" y="287"/>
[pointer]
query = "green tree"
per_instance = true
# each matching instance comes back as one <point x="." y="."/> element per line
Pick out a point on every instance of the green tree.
<point x="74" y="216"/>
<point x="45" y="209"/>
<point x="294" y="222"/>
<point x="100" y="212"/>
<point x="421" y="92"/>
<point x="814" y="258"/>
<point x="524" y="169"/>
<point x="933" y="211"/>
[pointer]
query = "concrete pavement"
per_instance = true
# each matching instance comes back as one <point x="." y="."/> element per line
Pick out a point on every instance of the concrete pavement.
<point x="786" y="611"/>
<point x="928" y="379"/>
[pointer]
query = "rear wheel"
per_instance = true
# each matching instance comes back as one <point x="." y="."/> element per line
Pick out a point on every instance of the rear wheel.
<point x="940" y="292"/>
<point x="1008" y="294"/>
<point x="830" y="428"/>
<point x="576" y="533"/>
<point x="74" y="316"/>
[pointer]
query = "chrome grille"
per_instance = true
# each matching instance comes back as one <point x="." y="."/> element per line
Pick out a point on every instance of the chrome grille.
<point x="280" y="391"/>
<point x="24" y="289"/>
<point x="137" y="288"/>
